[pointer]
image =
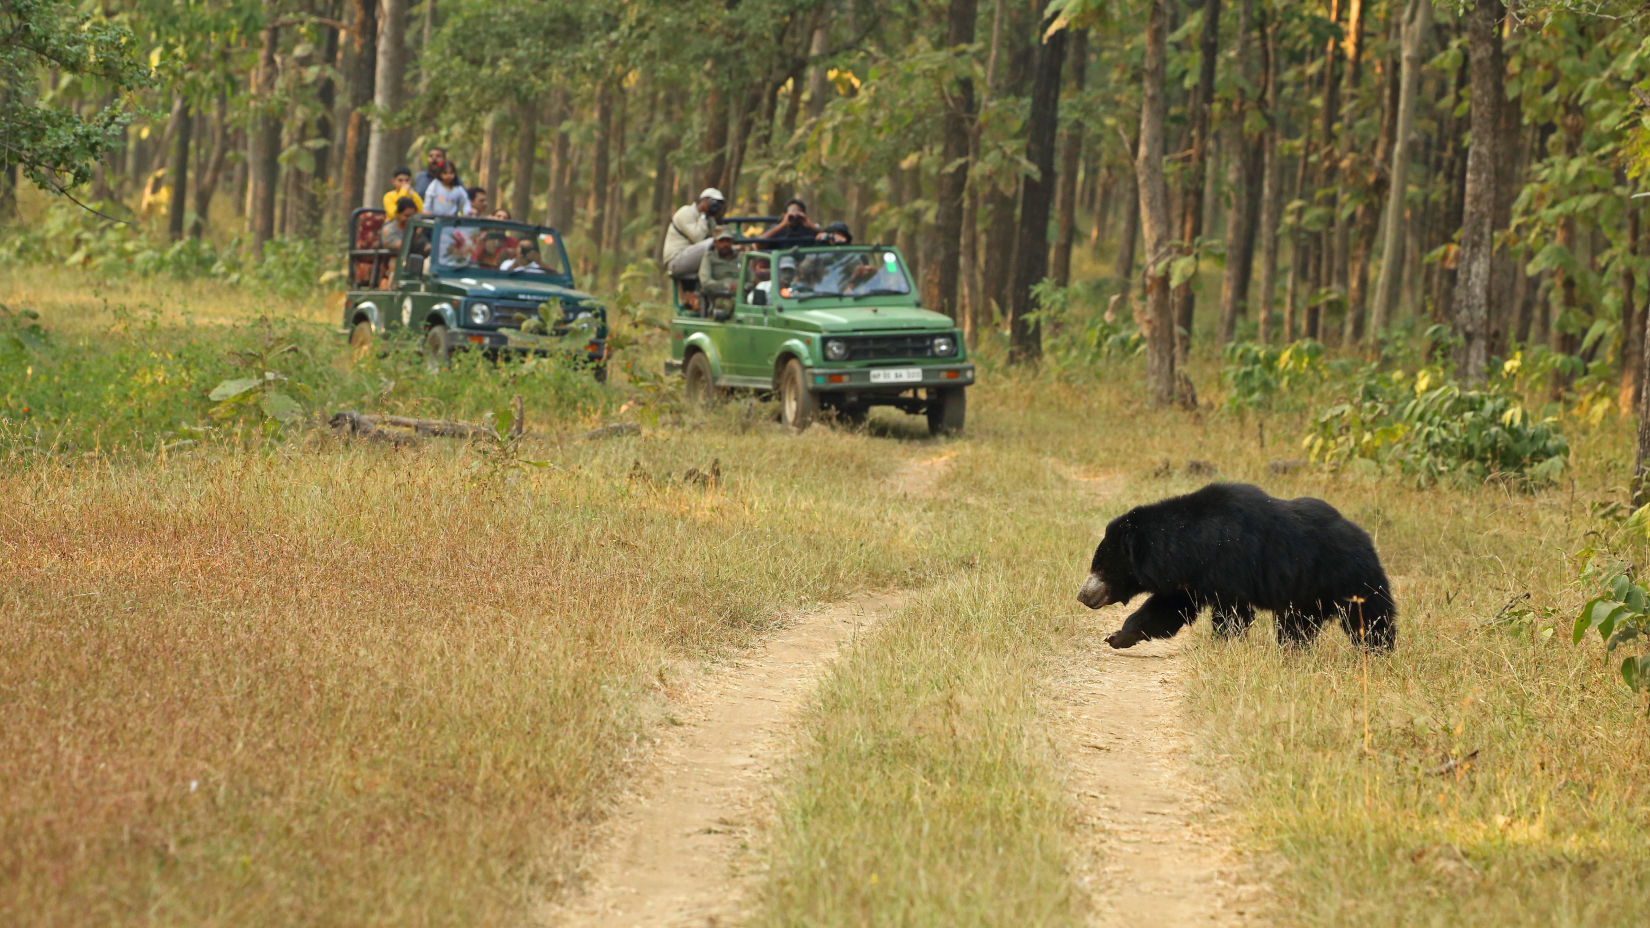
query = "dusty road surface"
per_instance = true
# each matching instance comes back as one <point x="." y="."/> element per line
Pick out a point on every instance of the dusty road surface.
<point x="1152" y="849"/>
<point x="672" y="852"/>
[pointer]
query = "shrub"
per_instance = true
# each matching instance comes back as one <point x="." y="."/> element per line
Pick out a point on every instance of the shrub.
<point x="1432" y="429"/>
<point x="1260" y="376"/>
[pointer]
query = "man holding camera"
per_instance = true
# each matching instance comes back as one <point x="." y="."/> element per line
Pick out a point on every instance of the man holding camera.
<point x="688" y="236"/>
<point x="795" y="228"/>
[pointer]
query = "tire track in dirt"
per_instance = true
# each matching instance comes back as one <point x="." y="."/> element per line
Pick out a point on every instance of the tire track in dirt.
<point x="1153" y="851"/>
<point x="671" y="853"/>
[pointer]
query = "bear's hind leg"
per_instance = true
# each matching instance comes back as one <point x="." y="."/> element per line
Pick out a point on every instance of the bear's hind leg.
<point x="1232" y="622"/>
<point x="1160" y="616"/>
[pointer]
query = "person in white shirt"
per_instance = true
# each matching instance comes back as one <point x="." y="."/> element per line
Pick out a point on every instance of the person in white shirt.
<point x="689" y="235"/>
<point x="446" y="196"/>
<point x="526" y="260"/>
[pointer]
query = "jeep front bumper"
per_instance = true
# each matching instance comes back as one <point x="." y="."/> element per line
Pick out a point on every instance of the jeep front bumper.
<point x="594" y="350"/>
<point x="875" y="379"/>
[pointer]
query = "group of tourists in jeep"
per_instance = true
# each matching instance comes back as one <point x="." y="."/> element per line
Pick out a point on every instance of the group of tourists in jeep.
<point x="703" y="256"/>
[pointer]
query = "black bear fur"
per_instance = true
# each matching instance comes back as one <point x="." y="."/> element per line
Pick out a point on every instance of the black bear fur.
<point x="1233" y="548"/>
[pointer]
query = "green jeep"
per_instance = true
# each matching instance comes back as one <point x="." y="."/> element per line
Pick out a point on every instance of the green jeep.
<point x="466" y="283"/>
<point x="836" y="327"/>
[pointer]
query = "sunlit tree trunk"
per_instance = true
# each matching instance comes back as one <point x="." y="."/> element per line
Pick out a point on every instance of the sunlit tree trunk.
<point x="1157" y="321"/>
<point x="1472" y="291"/>
<point x="265" y="144"/>
<point x="1071" y="163"/>
<point x="1191" y="212"/>
<point x="1025" y="342"/>
<point x="1417" y="20"/>
<point x="386" y="145"/>
<point x="953" y="178"/>
<point x="177" y="172"/>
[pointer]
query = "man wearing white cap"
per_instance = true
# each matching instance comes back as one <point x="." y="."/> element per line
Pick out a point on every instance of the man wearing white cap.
<point x="688" y="237"/>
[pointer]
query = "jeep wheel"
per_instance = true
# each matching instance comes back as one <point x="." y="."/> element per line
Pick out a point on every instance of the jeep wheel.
<point x="798" y="405"/>
<point x="698" y="383"/>
<point x="436" y="350"/>
<point x="360" y="341"/>
<point x="947" y="406"/>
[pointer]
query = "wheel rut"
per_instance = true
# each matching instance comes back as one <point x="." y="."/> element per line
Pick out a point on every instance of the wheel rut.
<point x="1152" y="849"/>
<point x="672" y="852"/>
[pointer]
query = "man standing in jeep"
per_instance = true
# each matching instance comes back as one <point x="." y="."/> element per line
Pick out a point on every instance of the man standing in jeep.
<point x="687" y="238"/>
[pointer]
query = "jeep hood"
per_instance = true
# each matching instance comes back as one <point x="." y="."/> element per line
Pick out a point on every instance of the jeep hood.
<point x="520" y="288"/>
<point x="848" y="319"/>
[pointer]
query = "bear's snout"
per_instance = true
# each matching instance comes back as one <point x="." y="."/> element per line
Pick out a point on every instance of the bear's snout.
<point x="1095" y="592"/>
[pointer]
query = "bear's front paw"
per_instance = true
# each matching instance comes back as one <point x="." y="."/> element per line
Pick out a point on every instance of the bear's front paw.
<point x="1124" y="639"/>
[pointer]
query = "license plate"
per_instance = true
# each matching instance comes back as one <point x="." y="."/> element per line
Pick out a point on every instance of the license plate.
<point x="896" y="374"/>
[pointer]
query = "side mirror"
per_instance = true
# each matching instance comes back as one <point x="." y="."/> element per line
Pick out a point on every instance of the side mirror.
<point x="415" y="265"/>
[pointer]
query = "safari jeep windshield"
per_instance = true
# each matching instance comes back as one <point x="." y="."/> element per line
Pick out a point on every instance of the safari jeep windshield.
<point x="502" y="248"/>
<point x="842" y="273"/>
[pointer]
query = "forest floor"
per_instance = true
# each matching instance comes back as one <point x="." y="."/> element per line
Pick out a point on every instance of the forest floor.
<point x="260" y="683"/>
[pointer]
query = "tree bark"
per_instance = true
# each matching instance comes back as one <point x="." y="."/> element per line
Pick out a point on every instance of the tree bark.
<point x="265" y="146"/>
<point x="1234" y="290"/>
<point x="207" y="180"/>
<point x="1417" y="20"/>
<point x="1472" y="291"/>
<point x="360" y="70"/>
<point x="487" y="161"/>
<point x="1191" y="204"/>
<point x="1129" y="233"/>
<point x="1271" y="195"/>
<point x="1632" y="325"/>
<point x="177" y="172"/>
<point x="953" y="178"/>
<point x="386" y="145"/>
<point x="1071" y="163"/>
<point x="598" y="180"/>
<point x="1025" y="341"/>
<point x="521" y="173"/>
<point x="1157" y="323"/>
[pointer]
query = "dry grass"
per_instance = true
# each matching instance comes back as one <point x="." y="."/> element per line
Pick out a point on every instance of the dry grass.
<point x="341" y="686"/>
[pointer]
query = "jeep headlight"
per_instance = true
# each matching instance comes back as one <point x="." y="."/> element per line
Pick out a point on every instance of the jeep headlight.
<point x="479" y="313"/>
<point x="836" y="349"/>
<point x="944" y="346"/>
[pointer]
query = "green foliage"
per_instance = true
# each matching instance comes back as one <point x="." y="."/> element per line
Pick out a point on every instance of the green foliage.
<point x="55" y="144"/>
<point x="1260" y="376"/>
<point x="1620" y="615"/>
<point x="1073" y="339"/>
<point x="1432" y="429"/>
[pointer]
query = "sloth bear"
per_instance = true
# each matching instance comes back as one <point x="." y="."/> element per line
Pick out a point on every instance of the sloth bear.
<point x="1234" y="548"/>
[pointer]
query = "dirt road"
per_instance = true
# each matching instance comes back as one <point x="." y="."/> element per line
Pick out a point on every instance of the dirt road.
<point x="676" y="851"/>
<point x="1153" y="851"/>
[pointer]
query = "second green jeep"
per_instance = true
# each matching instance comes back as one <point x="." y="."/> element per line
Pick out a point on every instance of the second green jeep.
<point x="826" y="327"/>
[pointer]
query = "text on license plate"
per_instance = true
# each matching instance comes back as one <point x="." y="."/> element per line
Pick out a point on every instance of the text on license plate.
<point x="896" y="374"/>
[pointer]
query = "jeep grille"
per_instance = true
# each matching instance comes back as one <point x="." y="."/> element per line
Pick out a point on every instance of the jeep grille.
<point x="889" y="347"/>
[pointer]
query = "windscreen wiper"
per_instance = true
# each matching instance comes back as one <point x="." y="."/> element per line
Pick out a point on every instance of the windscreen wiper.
<point x="878" y="292"/>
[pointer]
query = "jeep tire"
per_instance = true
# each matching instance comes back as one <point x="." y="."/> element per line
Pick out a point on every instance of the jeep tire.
<point x="697" y="382"/>
<point x="436" y="350"/>
<point x="798" y="405"/>
<point x="947" y="407"/>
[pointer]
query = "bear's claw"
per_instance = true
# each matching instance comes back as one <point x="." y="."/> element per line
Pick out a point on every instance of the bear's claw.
<point x="1121" y="639"/>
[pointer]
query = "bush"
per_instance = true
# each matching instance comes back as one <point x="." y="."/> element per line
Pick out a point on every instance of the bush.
<point x="1264" y="377"/>
<point x="1070" y="341"/>
<point x="1432" y="429"/>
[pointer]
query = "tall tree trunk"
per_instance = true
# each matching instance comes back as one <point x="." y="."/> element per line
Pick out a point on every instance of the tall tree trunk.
<point x="1472" y="293"/>
<point x="1417" y="20"/>
<point x="1366" y="220"/>
<point x="177" y="173"/>
<point x="1071" y="162"/>
<point x="423" y="48"/>
<point x="387" y="145"/>
<point x="953" y="178"/>
<point x="1271" y="195"/>
<point x="1129" y="232"/>
<point x="716" y="135"/>
<point x="360" y="60"/>
<point x="971" y="267"/>
<point x="266" y="138"/>
<point x="1239" y="230"/>
<point x="598" y="180"/>
<point x="1632" y="324"/>
<point x="1322" y="249"/>
<point x="1191" y="204"/>
<point x="207" y="180"/>
<point x="521" y="173"/>
<point x="613" y="221"/>
<point x="1014" y="76"/>
<point x="1158" y="320"/>
<point x="1025" y="341"/>
<point x="487" y="162"/>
